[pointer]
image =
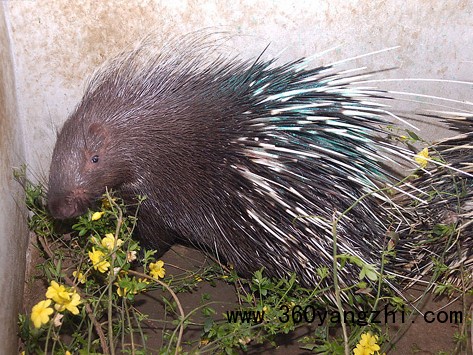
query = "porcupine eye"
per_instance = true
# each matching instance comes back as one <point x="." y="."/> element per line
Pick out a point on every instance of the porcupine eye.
<point x="95" y="159"/>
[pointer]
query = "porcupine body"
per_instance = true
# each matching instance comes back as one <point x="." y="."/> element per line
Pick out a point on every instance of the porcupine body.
<point x="247" y="160"/>
<point x="442" y="227"/>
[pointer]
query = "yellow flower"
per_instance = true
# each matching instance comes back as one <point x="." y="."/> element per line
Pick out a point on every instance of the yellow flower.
<point x="41" y="312"/>
<point x="79" y="276"/>
<point x="64" y="298"/>
<point x="109" y="241"/>
<point x="422" y="158"/>
<point x="106" y="203"/>
<point x="98" y="262"/>
<point x="70" y="305"/>
<point x="97" y="215"/>
<point x="367" y="345"/>
<point x="122" y="291"/>
<point x="144" y="280"/>
<point x="57" y="293"/>
<point x="67" y="352"/>
<point x="156" y="269"/>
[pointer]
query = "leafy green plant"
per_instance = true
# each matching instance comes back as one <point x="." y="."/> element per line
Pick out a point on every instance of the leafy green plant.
<point x="92" y="283"/>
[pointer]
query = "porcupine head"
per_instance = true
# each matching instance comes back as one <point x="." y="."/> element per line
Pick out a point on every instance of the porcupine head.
<point x="81" y="167"/>
<point x="140" y="131"/>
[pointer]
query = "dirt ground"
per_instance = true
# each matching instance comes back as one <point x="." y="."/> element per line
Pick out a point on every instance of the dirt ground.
<point x="421" y="338"/>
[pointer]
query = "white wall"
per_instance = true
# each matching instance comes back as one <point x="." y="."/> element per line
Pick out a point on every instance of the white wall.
<point x="13" y="232"/>
<point x="57" y="44"/>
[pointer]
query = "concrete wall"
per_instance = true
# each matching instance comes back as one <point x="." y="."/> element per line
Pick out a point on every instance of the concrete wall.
<point x="58" y="43"/>
<point x="55" y="45"/>
<point x="13" y="232"/>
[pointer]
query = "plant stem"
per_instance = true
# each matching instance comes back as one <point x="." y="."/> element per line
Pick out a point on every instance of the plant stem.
<point x="337" y="286"/>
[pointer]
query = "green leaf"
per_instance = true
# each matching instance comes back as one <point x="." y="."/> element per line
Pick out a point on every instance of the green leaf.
<point x="208" y="323"/>
<point x="414" y="136"/>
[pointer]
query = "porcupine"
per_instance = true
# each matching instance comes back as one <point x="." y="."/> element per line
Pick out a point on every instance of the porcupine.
<point x="248" y="160"/>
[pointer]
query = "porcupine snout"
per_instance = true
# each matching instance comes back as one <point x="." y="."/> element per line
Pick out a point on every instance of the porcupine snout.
<point x="70" y="204"/>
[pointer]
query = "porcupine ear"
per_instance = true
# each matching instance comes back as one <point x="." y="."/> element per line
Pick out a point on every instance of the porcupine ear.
<point x="97" y="130"/>
<point x="99" y="137"/>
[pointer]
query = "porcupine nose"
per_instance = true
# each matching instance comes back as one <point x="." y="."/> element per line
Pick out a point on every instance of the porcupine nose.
<point x="64" y="207"/>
